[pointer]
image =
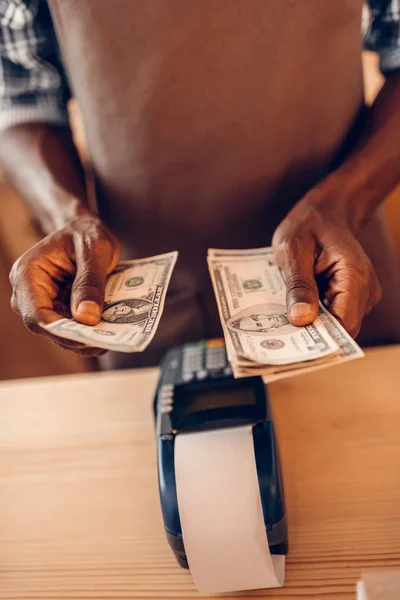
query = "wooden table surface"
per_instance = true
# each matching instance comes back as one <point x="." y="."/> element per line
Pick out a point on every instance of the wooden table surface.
<point x="79" y="509"/>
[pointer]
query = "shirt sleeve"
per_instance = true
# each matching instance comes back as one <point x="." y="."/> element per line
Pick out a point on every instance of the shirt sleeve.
<point x="384" y="33"/>
<point x="33" y="85"/>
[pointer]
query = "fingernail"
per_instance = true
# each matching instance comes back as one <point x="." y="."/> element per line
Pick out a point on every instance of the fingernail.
<point x="89" y="308"/>
<point x="300" y="309"/>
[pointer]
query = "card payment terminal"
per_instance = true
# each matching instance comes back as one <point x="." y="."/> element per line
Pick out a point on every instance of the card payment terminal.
<point x="197" y="391"/>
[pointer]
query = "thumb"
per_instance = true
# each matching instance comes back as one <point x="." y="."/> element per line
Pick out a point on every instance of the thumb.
<point x="302" y="299"/>
<point x="87" y="294"/>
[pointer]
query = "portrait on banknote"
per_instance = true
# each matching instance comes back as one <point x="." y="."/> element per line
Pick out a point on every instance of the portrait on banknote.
<point x="263" y="319"/>
<point x="129" y="311"/>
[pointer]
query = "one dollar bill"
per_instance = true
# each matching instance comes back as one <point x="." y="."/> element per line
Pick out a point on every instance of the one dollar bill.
<point x="251" y="295"/>
<point x="134" y="301"/>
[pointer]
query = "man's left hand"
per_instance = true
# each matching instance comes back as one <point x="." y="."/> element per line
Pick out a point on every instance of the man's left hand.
<point x="314" y="243"/>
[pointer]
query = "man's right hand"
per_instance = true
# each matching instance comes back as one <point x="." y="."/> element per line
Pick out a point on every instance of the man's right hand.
<point x="64" y="275"/>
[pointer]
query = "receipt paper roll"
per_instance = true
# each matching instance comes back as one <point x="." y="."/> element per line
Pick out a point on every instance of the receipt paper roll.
<point x="221" y="513"/>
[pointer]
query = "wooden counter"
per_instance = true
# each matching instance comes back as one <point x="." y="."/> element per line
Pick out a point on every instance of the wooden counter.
<point x="79" y="509"/>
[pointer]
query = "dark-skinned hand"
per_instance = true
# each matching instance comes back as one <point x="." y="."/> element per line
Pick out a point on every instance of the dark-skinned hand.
<point x="317" y="251"/>
<point x="64" y="275"/>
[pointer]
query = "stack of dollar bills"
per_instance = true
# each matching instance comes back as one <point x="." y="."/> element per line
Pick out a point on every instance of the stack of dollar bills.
<point x="251" y="295"/>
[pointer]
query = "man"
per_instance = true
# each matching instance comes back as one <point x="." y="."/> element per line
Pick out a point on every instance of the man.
<point x="210" y="123"/>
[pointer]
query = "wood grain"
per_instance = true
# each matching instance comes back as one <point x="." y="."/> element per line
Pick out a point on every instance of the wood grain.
<point x="79" y="510"/>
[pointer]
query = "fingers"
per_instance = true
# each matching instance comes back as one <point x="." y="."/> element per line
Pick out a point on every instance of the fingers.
<point x="32" y="300"/>
<point x="85" y="351"/>
<point x="45" y="317"/>
<point x="33" y="303"/>
<point x="32" y="296"/>
<point x="87" y="294"/>
<point x="296" y="258"/>
<point x="34" y="321"/>
<point x="354" y="290"/>
<point x="314" y="240"/>
<point x="84" y="251"/>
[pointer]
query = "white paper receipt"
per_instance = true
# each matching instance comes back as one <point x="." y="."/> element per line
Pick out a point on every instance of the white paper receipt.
<point x="221" y="513"/>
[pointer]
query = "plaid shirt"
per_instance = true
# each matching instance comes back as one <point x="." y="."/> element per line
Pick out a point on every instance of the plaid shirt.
<point x="33" y="84"/>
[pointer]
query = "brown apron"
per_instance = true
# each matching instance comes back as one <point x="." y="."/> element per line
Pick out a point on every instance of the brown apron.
<point x="206" y="121"/>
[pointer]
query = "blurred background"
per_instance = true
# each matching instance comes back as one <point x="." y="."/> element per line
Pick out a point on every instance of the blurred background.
<point x="25" y="355"/>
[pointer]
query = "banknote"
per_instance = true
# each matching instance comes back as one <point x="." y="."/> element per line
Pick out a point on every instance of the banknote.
<point x="134" y="301"/>
<point x="251" y="295"/>
<point x="348" y="350"/>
